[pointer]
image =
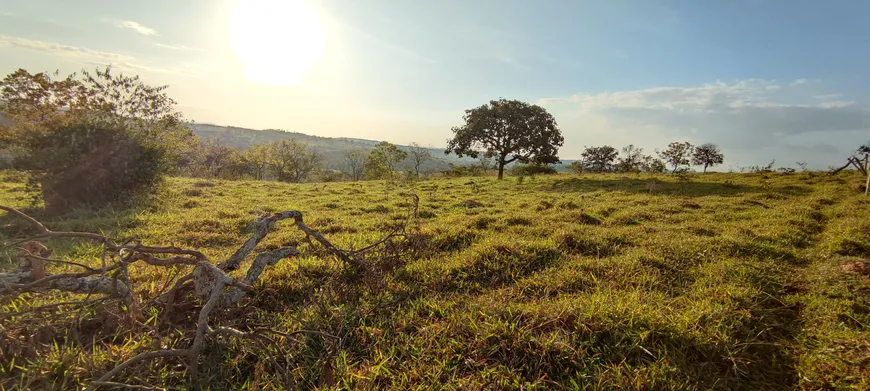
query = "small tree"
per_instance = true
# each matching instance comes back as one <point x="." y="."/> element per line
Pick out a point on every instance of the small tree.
<point x="292" y="160"/>
<point x="707" y="155"/>
<point x="632" y="159"/>
<point x="383" y="159"/>
<point x="654" y="165"/>
<point x="418" y="155"/>
<point x="484" y="162"/>
<point x="209" y="159"/>
<point x="92" y="139"/>
<point x="257" y="158"/>
<point x="577" y="166"/>
<point x="678" y="154"/>
<point x="355" y="162"/>
<point x="600" y="159"/>
<point x="508" y="130"/>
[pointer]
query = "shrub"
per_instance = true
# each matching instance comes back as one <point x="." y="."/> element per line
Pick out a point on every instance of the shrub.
<point x="79" y="163"/>
<point x="94" y="139"/>
<point x="533" y="169"/>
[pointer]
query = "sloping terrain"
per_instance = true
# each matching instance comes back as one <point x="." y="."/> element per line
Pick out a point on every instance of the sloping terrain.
<point x="722" y="281"/>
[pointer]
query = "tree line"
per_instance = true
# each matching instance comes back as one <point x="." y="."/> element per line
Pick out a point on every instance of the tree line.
<point x="677" y="156"/>
<point x="294" y="161"/>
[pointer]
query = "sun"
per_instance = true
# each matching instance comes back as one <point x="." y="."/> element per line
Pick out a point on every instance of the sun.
<point x="278" y="41"/>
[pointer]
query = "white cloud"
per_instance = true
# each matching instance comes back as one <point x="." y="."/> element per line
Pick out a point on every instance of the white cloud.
<point x="144" y="30"/>
<point x="837" y="104"/>
<point x="748" y="118"/>
<point x="799" y="82"/>
<point x="61" y="50"/>
<point x="6" y="13"/>
<point x="175" y="47"/>
<point x="98" y="58"/>
<point x="827" y="96"/>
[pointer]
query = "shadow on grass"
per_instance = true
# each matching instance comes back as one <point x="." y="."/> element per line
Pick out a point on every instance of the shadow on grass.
<point x="109" y="221"/>
<point x="653" y="186"/>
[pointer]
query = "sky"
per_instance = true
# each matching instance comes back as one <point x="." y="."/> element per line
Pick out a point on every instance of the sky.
<point x="764" y="79"/>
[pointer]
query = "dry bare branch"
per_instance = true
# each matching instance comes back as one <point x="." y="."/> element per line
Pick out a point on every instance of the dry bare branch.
<point x="210" y="282"/>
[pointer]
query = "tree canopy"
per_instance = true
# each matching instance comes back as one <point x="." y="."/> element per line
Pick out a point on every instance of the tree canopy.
<point x="508" y="130"/>
<point x="382" y="160"/>
<point x="707" y="155"/>
<point x="677" y="154"/>
<point x="292" y="160"/>
<point x="599" y="159"/>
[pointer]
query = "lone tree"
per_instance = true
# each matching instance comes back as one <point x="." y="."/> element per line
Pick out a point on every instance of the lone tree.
<point x="508" y="130"/>
<point x="677" y="154"/>
<point x="707" y="155"/>
<point x="382" y="160"/>
<point x="418" y="155"/>
<point x="599" y="159"/>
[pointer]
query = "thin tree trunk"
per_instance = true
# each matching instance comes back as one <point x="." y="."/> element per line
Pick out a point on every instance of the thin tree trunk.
<point x="705" y="168"/>
<point x="501" y="169"/>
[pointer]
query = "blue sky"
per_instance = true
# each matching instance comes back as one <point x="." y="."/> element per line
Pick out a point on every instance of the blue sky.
<point x="784" y="80"/>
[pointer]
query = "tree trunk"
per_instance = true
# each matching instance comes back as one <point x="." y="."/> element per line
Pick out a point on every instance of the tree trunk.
<point x="705" y="168"/>
<point x="500" y="169"/>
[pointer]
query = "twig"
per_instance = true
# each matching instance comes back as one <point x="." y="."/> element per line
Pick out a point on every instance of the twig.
<point x="137" y="358"/>
<point x="126" y="386"/>
<point x="60" y="261"/>
<point x="50" y="306"/>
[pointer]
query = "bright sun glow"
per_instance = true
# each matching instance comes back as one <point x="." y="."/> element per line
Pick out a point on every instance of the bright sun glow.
<point x="279" y="41"/>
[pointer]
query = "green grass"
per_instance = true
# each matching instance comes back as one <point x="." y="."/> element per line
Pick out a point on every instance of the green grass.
<point x="730" y="281"/>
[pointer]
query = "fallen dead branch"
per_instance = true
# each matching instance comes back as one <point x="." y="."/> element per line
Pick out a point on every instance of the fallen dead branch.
<point x="208" y="282"/>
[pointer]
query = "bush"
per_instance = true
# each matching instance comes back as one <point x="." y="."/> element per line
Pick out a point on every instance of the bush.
<point x="79" y="163"/>
<point x="91" y="139"/>
<point x="533" y="169"/>
<point x="332" y="176"/>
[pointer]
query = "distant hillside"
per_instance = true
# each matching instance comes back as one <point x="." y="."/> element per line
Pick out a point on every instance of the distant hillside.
<point x="332" y="148"/>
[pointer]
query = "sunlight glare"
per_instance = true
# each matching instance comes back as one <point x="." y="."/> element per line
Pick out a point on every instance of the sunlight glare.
<point x="278" y="41"/>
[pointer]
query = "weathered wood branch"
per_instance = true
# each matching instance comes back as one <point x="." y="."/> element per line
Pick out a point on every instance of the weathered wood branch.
<point x="210" y="282"/>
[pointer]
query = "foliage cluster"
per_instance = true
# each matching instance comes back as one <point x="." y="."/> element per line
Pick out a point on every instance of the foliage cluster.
<point x="91" y="139"/>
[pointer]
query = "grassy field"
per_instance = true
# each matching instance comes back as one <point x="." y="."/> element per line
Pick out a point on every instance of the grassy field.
<point x="721" y="281"/>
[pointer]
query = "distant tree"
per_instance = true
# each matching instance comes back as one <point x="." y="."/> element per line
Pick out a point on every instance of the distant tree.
<point x="678" y="154"/>
<point x="355" y="162"/>
<point x="418" y="155"/>
<point x="508" y="130"/>
<point x="292" y="160"/>
<point x="257" y="158"/>
<point x="484" y="162"/>
<point x="802" y="166"/>
<point x="707" y="155"/>
<point x="210" y="159"/>
<point x="654" y="165"/>
<point x="599" y="159"/>
<point x="383" y="159"/>
<point x="91" y="139"/>
<point x="577" y="166"/>
<point x="632" y="159"/>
